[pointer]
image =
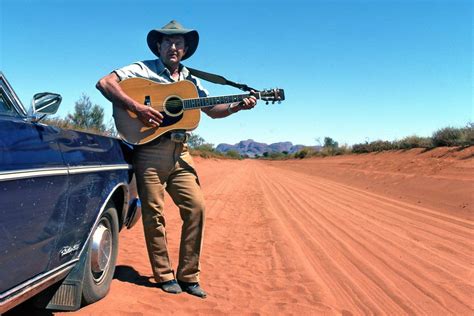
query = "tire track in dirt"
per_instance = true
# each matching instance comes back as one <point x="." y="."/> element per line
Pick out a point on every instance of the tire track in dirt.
<point x="289" y="187"/>
<point x="355" y="240"/>
<point x="347" y="205"/>
<point x="329" y="261"/>
<point x="401" y="234"/>
<point x="245" y="245"/>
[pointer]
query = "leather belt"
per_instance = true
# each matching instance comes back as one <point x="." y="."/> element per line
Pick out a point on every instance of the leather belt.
<point x="175" y="136"/>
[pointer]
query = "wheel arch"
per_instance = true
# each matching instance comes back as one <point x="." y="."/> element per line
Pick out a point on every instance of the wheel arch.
<point x="120" y="199"/>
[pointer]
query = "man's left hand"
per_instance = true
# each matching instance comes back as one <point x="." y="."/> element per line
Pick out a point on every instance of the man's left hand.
<point x="248" y="103"/>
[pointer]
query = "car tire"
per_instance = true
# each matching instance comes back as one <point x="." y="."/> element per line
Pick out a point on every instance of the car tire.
<point x="101" y="257"/>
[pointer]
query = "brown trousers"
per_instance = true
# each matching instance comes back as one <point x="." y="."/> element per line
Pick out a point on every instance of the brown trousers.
<point x="166" y="165"/>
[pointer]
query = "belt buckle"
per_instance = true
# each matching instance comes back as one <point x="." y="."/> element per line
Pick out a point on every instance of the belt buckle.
<point x="178" y="137"/>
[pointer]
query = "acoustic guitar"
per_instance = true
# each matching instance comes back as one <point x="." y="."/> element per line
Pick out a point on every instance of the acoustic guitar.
<point x="179" y="104"/>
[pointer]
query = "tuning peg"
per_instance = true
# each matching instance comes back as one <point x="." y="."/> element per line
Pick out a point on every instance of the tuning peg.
<point x="266" y="102"/>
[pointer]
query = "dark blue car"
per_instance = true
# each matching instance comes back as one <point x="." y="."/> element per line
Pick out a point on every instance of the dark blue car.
<point x="64" y="197"/>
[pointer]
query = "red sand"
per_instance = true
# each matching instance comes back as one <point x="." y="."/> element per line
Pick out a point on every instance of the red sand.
<point x="388" y="233"/>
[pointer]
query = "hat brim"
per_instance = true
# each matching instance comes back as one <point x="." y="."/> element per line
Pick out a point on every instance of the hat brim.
<point x="191" y="37"/>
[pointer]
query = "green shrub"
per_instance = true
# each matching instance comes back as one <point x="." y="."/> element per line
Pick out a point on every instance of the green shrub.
<point x="206" y="150"/>
<point x="448" y="136"/>
<point x="414" y="142"/>
<point x="343" y="150"/>
<point x="467" y="135"/>
<point x="381" y="145"/>
<point x="375" y="146"/>
<point x="58" y="121"/>
<point x="234" y="154"/>
<point x="206" y="147"/>
<point x="304" y="152"/>
<point x="277" y="155"/>
<point x="360" y="148"/>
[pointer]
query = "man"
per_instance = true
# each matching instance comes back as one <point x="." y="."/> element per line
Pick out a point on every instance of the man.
<point x="164" y="164"/>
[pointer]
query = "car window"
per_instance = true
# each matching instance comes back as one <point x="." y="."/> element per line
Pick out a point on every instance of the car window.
<point x="6" y="108"/>
<point x="10" y="105"/>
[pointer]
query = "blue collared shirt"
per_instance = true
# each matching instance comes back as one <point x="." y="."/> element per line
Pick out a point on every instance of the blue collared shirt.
<point x="156" y="71"/>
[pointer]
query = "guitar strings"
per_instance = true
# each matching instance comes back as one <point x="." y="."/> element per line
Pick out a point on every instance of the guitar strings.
<point x="181" y="103"/>
<point x="174" y="103"/>
<point x="162" y="106"/>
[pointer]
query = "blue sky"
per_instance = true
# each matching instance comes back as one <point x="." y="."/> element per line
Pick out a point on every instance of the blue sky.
<point x="351" y="70"/>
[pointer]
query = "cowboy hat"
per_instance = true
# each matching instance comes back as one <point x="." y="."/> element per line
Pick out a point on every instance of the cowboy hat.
<point x="173" y="28"/>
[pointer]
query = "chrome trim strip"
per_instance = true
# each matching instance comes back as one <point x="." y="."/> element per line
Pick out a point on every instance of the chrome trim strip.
<point x="60" y="171"/>
<point x="28" y="288"/>
<point x="86" y="169"/>
<point x="32" y="173"/>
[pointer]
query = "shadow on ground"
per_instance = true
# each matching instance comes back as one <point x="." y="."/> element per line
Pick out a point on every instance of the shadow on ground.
<point x="129" y="274"/>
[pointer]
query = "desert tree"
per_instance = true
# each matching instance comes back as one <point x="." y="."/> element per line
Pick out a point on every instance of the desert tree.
<point x="87" y="116"/>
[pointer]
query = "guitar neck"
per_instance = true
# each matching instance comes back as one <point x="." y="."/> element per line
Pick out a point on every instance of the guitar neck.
<point x="198" y="103"/>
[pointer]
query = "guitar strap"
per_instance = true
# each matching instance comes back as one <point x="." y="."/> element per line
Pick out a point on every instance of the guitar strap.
<point x="218" y="79"/>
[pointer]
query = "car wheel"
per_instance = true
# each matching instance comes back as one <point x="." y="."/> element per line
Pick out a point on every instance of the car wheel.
<point x="101" y="257"/>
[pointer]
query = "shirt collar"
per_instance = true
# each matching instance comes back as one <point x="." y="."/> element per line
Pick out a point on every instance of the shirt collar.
<point x="160" y="67"/>
<point x="184" y="71"/>
<point x="161" y="70"/>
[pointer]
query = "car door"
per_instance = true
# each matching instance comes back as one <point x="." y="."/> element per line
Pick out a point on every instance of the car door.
<point x="33" y="186"/>
<point x="79" y="152"/>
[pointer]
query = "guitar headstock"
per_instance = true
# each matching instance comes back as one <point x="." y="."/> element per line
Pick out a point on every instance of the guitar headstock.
<point x="272" y="95"/>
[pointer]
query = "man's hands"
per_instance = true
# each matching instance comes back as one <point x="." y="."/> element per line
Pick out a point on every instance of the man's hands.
<point x="148" y="115"/>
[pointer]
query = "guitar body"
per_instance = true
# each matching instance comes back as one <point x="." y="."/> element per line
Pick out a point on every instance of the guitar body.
<point x="163" y="97"/>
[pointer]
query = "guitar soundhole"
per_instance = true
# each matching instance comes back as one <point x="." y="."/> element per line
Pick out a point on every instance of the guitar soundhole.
<point x="174" y="106"/>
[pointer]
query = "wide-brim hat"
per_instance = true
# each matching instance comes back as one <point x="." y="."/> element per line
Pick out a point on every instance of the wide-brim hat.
<point x="173" y="28"/>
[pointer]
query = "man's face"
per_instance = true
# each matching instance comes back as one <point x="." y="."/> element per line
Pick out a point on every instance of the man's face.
<point x="172" y="49"/>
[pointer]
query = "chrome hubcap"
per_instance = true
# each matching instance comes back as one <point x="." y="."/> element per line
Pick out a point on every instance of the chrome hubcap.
<point x="101" y="251"/>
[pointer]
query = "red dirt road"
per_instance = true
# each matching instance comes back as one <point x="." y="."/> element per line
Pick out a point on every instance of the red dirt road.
<point x="387" y="233"/>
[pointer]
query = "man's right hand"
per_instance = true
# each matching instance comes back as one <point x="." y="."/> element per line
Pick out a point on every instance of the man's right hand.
<point x="148" y="115"/>
<point x="110" y="88"/>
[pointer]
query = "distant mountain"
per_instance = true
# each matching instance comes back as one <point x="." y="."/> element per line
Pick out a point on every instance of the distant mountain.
<point x="251" y="148"/>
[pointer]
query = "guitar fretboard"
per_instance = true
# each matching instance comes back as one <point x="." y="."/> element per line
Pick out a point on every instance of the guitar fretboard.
<point x="211" y="101"/>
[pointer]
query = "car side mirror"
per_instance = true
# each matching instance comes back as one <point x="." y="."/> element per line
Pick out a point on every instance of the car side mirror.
<point x="44" y="103"/>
